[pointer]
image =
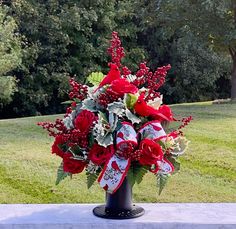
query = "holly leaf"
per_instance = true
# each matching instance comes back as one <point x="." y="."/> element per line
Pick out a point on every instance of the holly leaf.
<point x="105" y="140"/>
<point x="113" y="120"/>
<point x="162" y="181"/>
<point x="89" y="104"/>
<point x="133" y="118"/>
<point x="91" y="178"/>
<point x="117" y="108"/>
<point x="61" y="175"/>
<point x="95" y="78"/>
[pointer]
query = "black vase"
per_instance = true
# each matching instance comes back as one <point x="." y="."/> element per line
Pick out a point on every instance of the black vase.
<point x="119" y="205"/>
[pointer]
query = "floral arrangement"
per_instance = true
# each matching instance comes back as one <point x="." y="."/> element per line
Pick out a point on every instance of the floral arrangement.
<point x="115" y="127"/>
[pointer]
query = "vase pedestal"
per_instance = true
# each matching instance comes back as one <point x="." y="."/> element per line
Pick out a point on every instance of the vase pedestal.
<point x="119" y="205"/>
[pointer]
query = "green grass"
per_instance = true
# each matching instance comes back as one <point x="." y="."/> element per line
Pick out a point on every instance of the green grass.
<point x="208" y="171"/>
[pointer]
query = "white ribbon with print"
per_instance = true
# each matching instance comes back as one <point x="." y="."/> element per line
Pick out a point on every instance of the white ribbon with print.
<point x="125" y="136"/>
<point x="113" y="174"/>
<point x="117" y="167"/>
<point x="152" y="130"/>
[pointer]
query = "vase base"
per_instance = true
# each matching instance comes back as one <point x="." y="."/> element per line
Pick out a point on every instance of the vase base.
<point x="103" y="212"/>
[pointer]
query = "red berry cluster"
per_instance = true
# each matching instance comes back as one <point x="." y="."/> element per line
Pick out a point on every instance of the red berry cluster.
<point x="142" y="74"/>
<point x="127" y="150"/>
<point x="116" y="50"/>
<point x="156" y="80"/>
<point x="125" y="71"/>
<point x="107" y="97"/>
<point x="78" y="138"/>
<point x="54" y="129"/>
<point x="152" y="94"/>
<point x="185" y="122"/>
<point x="78" y="91"/>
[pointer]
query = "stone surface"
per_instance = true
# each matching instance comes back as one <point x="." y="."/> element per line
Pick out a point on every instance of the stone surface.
<point x="160" y="215"/>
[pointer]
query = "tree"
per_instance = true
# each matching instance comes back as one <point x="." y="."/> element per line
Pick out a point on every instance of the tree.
<point x="10" y="55"/>
<point x="65" y="38"/>
<point x="213" y="22"/>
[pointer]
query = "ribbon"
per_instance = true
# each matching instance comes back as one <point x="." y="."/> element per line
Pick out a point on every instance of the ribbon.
<point x="153" y="130"/>
<point x="117" y="167"/>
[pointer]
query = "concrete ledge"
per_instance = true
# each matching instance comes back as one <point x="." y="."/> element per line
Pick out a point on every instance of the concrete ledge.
<point x="161" y="216"/>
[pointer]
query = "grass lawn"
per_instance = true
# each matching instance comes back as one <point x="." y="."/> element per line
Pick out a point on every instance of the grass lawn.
<point x="208" y="173"/>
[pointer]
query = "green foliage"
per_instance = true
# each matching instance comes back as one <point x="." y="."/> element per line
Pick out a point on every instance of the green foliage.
<point x="7" y="89"/>
<point x="175" y="163"/>
<point x="10" y="55"/>
<point x="162" y="181"/>
<point x="136" y="173"/>
<point x="95" y="78"/>
<point x="91" y="178"/>
<point x="61" y="175"/>
<point x="62" y="38"/>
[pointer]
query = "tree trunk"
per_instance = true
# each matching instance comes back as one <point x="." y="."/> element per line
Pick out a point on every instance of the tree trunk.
<point x="233" y="80"/>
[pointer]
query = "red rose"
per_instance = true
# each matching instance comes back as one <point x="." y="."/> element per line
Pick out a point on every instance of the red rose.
<point x="122" y="86"/>
<point x="71" y="165"/>
<point x="165" y="113"/>
<point x="151" y="152"/>
<point x="84" y="121"/>
<point x="55" y="147"/>
<point x="99" y="154"/>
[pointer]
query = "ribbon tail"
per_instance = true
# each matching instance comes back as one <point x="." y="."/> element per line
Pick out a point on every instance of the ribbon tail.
<point x="113" y="174"/>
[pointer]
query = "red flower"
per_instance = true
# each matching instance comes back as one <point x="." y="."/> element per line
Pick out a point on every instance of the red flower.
<point x="164" y="113"/>
<point x="99" y="154"/>
<point x="71" y="165"/>
<point x="122" y="86"/>
<point x="55" y="147"/>
<point x="84" y="121"/>
<point x="151" y="152"/>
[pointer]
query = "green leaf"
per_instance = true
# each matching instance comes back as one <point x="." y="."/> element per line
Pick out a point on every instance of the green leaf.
<point x="103" y="117"/>
<point x="67" y="102"/>
<point x="91" y="178"/>
<point x="113" y="120"/>
<point x="61" y="174"/>
<point x="133" y="118"/>
<point x="174" y="162"/>
<point x="89" y="104"/>
<point x="140" y="172"/>
<point x="95" y="78"/>
<point x="130" y="100"/>
<point x="117" y="108"/>
<point x="130" y="176"/>
<point x="105" y="140"/>
<point x="136" y="173"/>
<point x="76" y="150"/>
<point x="162" y="181"/>
<point x="90" y="140"/>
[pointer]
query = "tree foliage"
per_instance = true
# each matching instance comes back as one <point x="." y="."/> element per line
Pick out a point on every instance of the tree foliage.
<point x="10" y="55"/>
<point x="70" y="38"/>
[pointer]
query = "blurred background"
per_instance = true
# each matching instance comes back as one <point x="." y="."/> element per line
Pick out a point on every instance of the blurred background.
<point x="42" y="43"/>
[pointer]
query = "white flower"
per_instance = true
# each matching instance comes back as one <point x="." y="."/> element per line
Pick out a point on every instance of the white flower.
<point x="156" y="103"/>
